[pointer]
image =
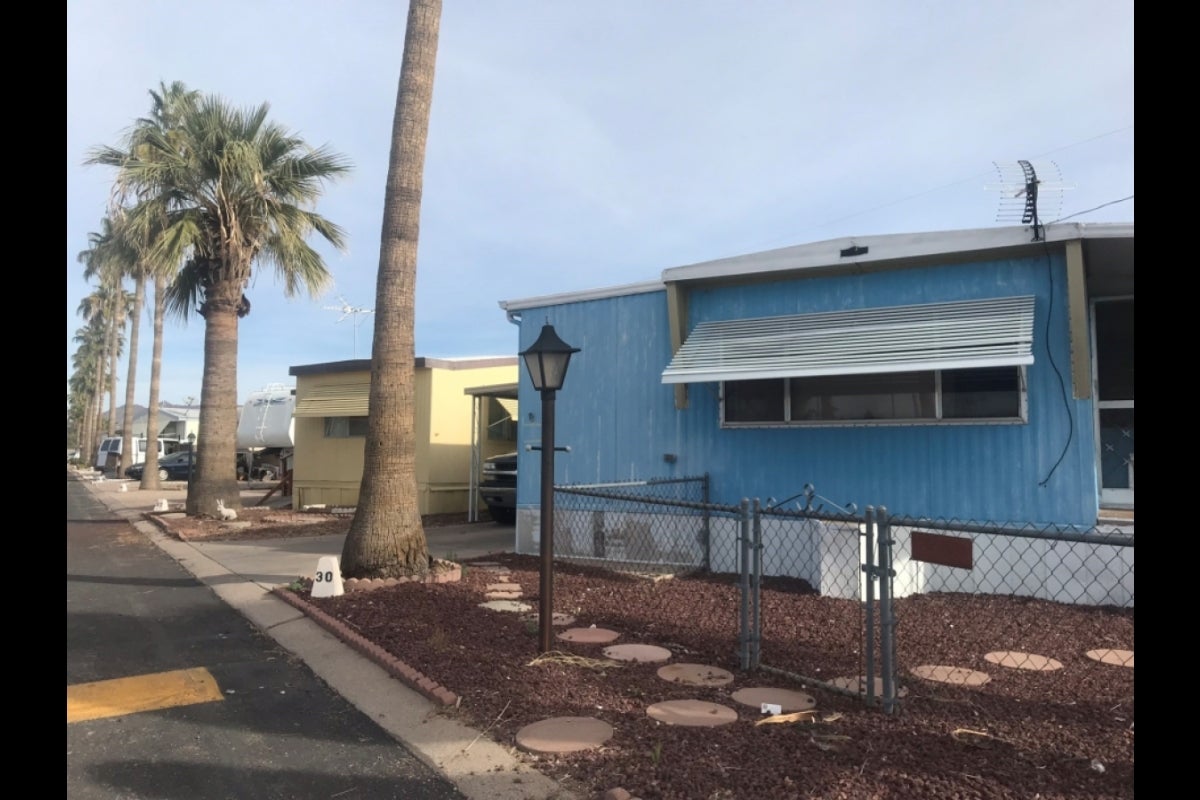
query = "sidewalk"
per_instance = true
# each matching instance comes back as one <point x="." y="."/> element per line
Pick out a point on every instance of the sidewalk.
<point x="243" y="573"/>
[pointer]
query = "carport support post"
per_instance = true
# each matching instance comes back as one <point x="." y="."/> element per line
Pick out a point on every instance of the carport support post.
<point x="546" y="523"/>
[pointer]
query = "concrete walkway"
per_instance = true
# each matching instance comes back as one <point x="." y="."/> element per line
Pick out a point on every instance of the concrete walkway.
<point x="243" y="573"/>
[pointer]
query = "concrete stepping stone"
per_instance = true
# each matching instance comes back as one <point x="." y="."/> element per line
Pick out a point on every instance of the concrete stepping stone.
<point x="787" y="700"/>
<point x="588" y="635"/>
<point x="638" y="653"/>
<point x="1018" y="660"/>
<point x="564" y="735"/>
<point x="695" y="674"/>
<point x="1120" y="658"/>
<point x="557" y="619"/>
<point x="506" y="605"/>
<point x="859" y="685"/>
<point x="503" y="587"/>
<point x="692" y="713"/>
<point x="504" y="595"/>
<point x="958" y="676"/>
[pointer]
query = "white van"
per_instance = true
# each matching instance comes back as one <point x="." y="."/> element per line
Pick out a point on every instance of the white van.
<point x="109" y="454"/>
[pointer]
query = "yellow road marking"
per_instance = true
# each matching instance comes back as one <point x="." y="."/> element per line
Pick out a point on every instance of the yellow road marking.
<point x="115" y="698"/>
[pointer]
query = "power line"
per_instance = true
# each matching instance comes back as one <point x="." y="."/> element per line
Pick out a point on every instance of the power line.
<point x="1088" y="211"/>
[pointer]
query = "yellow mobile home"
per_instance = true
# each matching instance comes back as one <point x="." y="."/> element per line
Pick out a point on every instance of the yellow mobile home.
<point x="331" y="424"/>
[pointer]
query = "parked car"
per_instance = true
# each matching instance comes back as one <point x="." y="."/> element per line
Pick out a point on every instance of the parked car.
<point x="498" y="488"/>
<point x="170" y="468"/>
<point x="174" y="467"/>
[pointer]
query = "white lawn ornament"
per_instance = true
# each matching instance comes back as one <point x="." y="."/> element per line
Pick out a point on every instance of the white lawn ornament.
<point x="162" y="505"/>
<point x="124" y="488"/>
<point x="225" y="513"/>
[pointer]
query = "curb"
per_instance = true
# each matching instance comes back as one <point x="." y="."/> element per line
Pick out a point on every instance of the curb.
<point x="399" y="670"/>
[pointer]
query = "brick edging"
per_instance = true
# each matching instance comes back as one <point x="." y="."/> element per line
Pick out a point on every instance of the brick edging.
<point x="402" y="672"/>
<point x="160" y="524"/>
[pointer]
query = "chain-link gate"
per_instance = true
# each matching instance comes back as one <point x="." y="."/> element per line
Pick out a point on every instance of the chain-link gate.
<point x="818" y="610"/>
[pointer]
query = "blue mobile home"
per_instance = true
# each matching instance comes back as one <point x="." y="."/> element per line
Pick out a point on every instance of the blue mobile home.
<point x="970" y="375"/>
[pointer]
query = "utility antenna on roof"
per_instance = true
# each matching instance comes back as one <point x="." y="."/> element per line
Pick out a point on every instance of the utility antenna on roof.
<point x="1027" y="189"/>
<point x="351" y="311"/>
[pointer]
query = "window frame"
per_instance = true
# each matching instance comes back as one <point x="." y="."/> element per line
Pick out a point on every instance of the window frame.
<point x="938" y="419"/>
<point x="350" y="434"/>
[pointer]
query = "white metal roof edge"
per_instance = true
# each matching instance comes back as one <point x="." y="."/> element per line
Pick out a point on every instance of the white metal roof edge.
<point x="583" y="296"/>
<point x="891" y="247"/>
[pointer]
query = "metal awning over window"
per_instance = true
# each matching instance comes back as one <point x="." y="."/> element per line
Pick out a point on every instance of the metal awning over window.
<point x="958" y="335"/>
<point x="341" y="400"/>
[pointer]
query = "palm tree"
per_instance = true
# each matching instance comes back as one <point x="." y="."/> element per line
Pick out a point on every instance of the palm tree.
<point x="143" y="263"/>
<point x="386" y="537"/>
<point x="111" y="258"/>
<point x="105" y="311"/>
<point x="168" y="106"/>
<point x="231" y="190"/>
<point x="88" y="361"/>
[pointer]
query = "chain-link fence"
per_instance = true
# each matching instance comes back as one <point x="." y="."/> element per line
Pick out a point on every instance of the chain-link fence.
<point x="656" y="525"/>
<point x="1010" y="606"/>
<point x="873" y="605"/>
<point x="678" y="558"/>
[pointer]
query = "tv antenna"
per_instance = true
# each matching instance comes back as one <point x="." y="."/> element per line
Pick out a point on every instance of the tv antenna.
<point x="352" y="312"/>
<point x="1027" y="188"/>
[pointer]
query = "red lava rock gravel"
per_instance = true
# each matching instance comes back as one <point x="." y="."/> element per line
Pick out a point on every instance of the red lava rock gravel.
<point x="1052" y="735"/>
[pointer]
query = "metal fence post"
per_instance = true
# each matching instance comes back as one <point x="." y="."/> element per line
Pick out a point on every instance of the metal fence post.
<point x="744" y="568"/>
<point x="706" y="525"/>
<point x="868" y="599"/>
<point x="756" y="589"/>
<point x="887" y="619"/>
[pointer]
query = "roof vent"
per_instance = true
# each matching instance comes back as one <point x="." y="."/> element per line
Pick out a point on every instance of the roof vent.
<point x="854" y="250"/>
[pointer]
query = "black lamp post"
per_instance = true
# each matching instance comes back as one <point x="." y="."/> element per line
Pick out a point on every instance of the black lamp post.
<point x="547" y="360"/>
<point x="191" y="458"/>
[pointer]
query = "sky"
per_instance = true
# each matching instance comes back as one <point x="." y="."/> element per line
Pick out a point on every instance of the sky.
<point x="592" y="143"/>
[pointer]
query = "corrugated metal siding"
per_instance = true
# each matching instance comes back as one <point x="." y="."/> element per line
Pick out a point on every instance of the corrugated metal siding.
<point x="620" y="420"/>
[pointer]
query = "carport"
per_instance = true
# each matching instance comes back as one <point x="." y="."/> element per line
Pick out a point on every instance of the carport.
<point x="493" y="418"/>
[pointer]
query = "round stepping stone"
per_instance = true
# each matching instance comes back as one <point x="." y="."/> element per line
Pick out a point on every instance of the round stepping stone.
<point x="787" y="700"/>
<point x="641" y="653"/>
<point x="692" y="713"/>
<point x="859" y="685"/>
<point x="503" y="595"/>
<point x="506" y="605"/>
<point x="695" y="674"/>
<point x="1017" y="660"/>
<point x="503" y="587"/>
<point x="959" y="676"/>
<point x="588" y="635"/>
<point x="558" y="618"/>
<point x="564" y="735"/>
<point x="1120" y="658"/>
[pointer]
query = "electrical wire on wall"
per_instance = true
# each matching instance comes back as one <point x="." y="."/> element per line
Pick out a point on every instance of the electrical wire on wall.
<point x="1061" y="381"/>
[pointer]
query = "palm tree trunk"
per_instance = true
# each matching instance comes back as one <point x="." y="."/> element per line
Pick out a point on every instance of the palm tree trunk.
<point x="98" y="411"/>
<point x="114" y="355"/>
<point x="139" y="297"/>
<point x="386" y="537"/>
<point x="150" y="471"/>
<point x="87" y="447"/>
<point x="215" y="475"/>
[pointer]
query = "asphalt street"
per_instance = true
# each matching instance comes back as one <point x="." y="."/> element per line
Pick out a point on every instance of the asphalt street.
<point x="176" y="695"/>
